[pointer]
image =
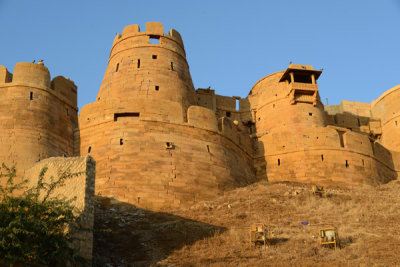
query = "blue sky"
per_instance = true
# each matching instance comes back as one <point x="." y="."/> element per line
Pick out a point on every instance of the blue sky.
<point x="230" y="45"/>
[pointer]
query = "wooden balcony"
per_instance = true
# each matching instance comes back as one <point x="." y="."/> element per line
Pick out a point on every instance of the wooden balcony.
<point x="303" y="93"/>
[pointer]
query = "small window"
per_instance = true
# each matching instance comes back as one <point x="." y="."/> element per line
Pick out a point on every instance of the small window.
<point x="154" y="39"/>
<point x="347" y="164"/>
<point x="154" y="56"/>
<point x="169" y="145"/>
<point x="208" y="148"/>
<point x="395" y="122"/>
<point x="157" y="88"/>
<point x="138" y="63"/>
<point x="172" y="65"/>
<point x="362" y="162"/>
<point x="228" y="113"/>
<point x="310" y="114"/>
<point x="89" y="149"/>
<point x="126" y="114"/>
<point x="322" y="157"/>
<point x="117" y="67"/>
<point x="121" y="141"/>
<point x="279" y="162"/>
<point x="31" y="96"/>
<point x="259" y="118"/>
<point x="237" y="104"/>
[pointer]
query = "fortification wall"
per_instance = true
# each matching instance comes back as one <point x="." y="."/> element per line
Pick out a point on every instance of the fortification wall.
<point x="321" y="155"/>
<point x="155" y="147"/>
<point x="295" y="144"/>
<point x="158" y="164"/>
<point x="80" y="185"/>
<point x="353" y="115"/>
<point x="36" y="119"/>
<point x="386" y="107"/>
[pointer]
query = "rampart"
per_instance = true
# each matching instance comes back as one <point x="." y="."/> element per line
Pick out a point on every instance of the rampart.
<point x="159" y="143"/>
<point x="37" y="115"/>
<point x="154" y="145"/>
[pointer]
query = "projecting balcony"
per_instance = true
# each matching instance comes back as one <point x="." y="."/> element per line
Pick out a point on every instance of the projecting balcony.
<point x="303" y="93"/>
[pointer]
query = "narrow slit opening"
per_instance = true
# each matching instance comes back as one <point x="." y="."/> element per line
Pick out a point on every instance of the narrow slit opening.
<point x="322" y="157"/>
<point x="121" y="141"/>
<point x="117" y="67"/>
<point x="279" y="162"/>
<point x="347" y="164"/>
<point x="89" y="149"/>
<point x="31" y="96"/>
<point x="172" y="65"/>
<point x="138" y="63"/>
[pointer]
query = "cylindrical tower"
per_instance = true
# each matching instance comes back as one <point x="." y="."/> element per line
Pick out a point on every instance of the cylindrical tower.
<point x="149" y="67"/>
<point x="38" y="116"/>
<point x="386" y="108"/>
<point x="153" y="146"/>
<point x="287" y="100"/>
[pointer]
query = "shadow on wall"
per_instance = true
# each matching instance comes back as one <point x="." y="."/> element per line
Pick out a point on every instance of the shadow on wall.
<point x="352" y="122"/>
<point x="125" y="235"/>
<point x="260" y="163"/>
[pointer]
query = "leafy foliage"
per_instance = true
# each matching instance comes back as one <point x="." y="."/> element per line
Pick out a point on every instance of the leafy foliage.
<point x="35" y="227"/>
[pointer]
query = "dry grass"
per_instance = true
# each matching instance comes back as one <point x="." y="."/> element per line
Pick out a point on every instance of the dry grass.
<point x="212" y="234"/>
<point x="367" y="218"/>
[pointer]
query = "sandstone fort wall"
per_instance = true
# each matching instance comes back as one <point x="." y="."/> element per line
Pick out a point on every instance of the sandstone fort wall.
<point x="159" y="143"/>
<point x="37" y="115"/>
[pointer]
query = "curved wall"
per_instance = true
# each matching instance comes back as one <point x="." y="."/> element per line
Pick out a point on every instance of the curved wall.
<point x="387" y="108"/>
<point x="156" y="148"/>
<point x="294" y="143"/>
<point x="36" y="121"/>
<point x="269" y="100"/>
<point x="141" y="69"/>
<point x="135" y="164"/>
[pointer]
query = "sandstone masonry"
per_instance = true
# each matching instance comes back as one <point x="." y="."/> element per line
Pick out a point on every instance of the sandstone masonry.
<point x="160" y="143"/>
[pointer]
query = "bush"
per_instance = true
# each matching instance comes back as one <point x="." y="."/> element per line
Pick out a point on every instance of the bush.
<point x="35" y="227"/>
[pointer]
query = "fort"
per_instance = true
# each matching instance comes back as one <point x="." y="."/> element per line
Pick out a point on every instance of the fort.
<point x="159" y="143"/>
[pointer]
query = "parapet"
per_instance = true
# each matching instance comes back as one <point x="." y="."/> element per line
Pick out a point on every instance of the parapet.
<point x="66" y="88"/>
<point x="38" y="76"/>
<point x="31" y="73"/>
<point x="5" y="76"/>
<point x="153" y="29"/>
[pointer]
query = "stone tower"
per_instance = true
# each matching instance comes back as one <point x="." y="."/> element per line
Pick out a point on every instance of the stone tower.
<point x="149" y="67"/>
<point x="37" y="115"/>
<point x="154" y="146"/>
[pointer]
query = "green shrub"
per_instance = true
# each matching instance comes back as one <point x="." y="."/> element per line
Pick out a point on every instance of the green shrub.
<point x="36" y="227"/>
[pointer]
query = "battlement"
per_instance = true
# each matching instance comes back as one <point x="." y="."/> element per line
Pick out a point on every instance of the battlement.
<point x="37" y="75"/>
<point x="31" y="73"/>
<point x="154" y="31"/>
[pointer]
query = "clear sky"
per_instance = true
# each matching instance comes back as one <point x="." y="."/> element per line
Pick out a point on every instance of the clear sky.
<point x="230" y="44"/>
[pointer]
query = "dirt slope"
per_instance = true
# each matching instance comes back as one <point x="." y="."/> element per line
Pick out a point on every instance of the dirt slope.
<point x="212" y="234"/>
